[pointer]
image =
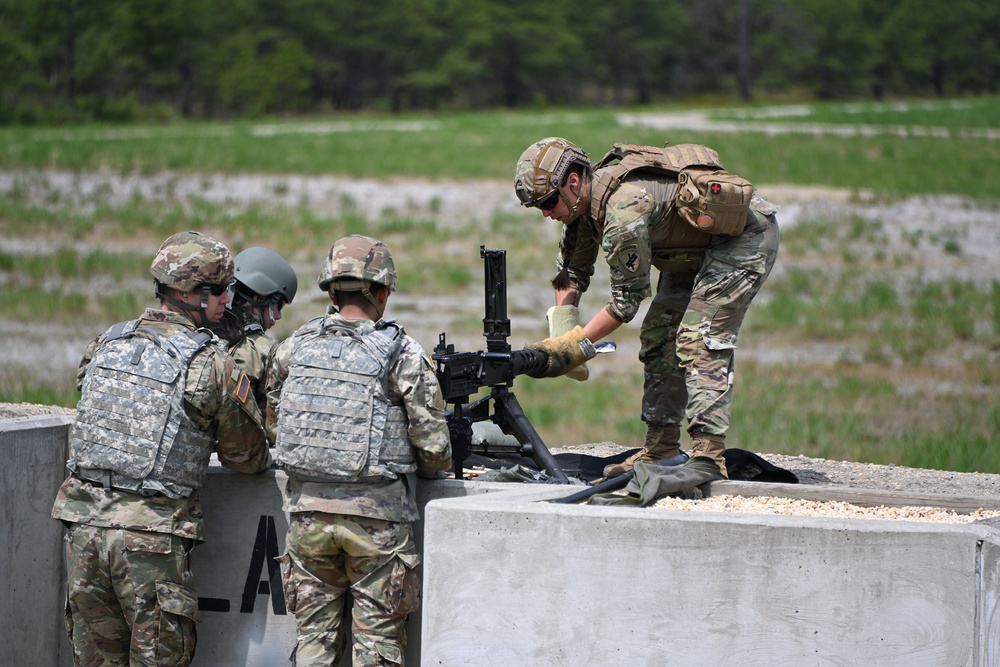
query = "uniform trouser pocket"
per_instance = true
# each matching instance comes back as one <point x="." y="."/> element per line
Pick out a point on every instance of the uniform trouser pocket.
<point x="176" y="634"/>
<point x="162" y="600"/>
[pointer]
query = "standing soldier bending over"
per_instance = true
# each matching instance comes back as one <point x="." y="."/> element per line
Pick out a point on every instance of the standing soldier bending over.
<point x="265" y="282"/>
<point x="713" y="241"/>
<point x="354" y="405"/>
<point x="157" y="400"/>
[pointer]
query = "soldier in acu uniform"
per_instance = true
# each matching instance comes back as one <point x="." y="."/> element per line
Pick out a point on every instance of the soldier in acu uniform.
<point x="354" y="406"/>
<point x="159" y="396"/>
<point x="712" y="254"/>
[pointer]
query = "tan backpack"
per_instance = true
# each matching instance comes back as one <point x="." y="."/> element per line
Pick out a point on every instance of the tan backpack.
<point x="709" y="198"/>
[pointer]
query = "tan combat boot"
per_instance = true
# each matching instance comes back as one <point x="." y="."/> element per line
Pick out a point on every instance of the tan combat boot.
<point x="662" y="442"/>
<point x="710" y="446"/>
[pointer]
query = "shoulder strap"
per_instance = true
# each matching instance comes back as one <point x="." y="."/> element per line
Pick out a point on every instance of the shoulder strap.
<point x="118" y="330"/>
<point x="201" y="337"/>
<point x="389" y="329"/>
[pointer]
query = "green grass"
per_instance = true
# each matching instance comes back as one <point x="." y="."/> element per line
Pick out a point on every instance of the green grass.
<point x="953" y="114"/>
<point x="486" y="145"/>
<point x="860" y="414"/>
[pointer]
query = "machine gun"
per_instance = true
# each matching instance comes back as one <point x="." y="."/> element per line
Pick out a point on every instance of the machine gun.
<point x="462" y="374"/>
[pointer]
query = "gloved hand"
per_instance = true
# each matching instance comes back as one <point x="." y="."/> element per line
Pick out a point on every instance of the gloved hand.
<point x="565" y="352"/>
<point x="652" y="482"/>
<point x="563" y="319"/>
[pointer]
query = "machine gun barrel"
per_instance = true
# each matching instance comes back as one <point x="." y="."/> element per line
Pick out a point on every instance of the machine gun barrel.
<point x="463" y="374"/>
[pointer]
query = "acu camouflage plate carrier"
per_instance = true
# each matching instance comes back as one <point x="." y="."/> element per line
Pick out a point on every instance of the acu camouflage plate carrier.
<point x="709" y="198"/>
<point x="132" y="432"/>
<point x="335" y="421"/>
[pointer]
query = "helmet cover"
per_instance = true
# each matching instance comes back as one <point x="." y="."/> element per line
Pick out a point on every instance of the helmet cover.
<point x="356" y="260"/>
<point x="188" y="259"/>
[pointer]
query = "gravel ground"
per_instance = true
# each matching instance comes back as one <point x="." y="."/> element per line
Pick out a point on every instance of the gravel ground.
<point x="844" y="474"/>
<point x="860" y="475"/>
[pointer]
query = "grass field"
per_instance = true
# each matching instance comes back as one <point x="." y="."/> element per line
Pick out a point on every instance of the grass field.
<point x="859" y="347"/>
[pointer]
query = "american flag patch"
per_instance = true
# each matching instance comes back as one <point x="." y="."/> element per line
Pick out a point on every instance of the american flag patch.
<point x="243" y="388"/>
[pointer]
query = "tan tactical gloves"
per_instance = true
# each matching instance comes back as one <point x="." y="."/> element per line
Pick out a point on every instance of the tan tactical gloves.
<point x="563" y="319"/>
<point x="565" y="352"/>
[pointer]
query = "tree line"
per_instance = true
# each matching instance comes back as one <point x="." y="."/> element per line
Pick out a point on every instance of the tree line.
<point x="75" y="60"/>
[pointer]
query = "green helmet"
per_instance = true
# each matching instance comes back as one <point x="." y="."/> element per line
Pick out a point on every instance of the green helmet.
<point x="188" y="259"/>
<point x="542" y="168"/>
<point x="265" y="273"/>
<point x="354" y="261"/>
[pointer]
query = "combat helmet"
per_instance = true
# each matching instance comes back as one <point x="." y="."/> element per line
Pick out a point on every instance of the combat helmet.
<point x="261" y="272"/>
<point x="543" y="168"/>
<point x="189" y="259"/>
<point x="355" y="262"/>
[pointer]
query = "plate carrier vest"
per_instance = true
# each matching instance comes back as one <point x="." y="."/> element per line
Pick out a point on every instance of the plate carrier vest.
<point x="335" y="421"/>
<point x="132" y="432"/>
<point x="709" y="198"/>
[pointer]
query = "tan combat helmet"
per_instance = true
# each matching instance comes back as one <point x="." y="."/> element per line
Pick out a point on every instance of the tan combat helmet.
<point x="189" y="259"/>
<point x="354" y="263"/>
<point x="542" y="168"/>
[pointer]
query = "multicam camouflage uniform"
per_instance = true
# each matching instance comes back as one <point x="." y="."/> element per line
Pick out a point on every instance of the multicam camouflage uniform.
<point x="130" y="590"/>
<point x="706" y="285"/>
<point x="265" y="282"/>
<point x="250" y="349"/>
<point x="354" y="541"/>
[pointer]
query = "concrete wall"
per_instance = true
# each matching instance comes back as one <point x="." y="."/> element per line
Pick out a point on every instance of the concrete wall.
<point x="243" y="620"/>
<point x="242" y="617"/>
<point x="510" y="580"/>
<point x="32" y="454"/>
<point x="513" y="581"/>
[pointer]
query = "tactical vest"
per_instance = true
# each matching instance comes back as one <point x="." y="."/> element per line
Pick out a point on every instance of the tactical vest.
<point x="132" y="432"/>
<point x="335" y="421"/>
<point x="708" y="198"/>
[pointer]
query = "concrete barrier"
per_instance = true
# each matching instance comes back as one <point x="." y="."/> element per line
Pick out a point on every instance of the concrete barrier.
<point x="512" y="580"/>
<point x="243" y="621"/>
<point x="32" y="458"/>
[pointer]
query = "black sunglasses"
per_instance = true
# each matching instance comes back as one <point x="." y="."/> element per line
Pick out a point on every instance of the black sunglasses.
<point x="549" y="202"/>
<point x="527" y="198"/>
<point x="215" y="290"/>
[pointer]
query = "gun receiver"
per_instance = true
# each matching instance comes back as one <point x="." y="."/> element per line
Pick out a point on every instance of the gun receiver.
<point x="462" y="374"/>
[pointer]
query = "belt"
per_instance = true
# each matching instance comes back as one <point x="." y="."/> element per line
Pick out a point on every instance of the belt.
<point x="109" y="479"/>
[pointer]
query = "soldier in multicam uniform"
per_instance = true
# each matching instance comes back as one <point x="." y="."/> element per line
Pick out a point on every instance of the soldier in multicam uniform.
<point x="706" y="284"/>
<point x="354" y="407"/>
<point x="159" y="395"/>
<point x="265" y="283"/>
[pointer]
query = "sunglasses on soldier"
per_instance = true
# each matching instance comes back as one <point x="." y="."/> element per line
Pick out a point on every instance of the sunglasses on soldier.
<point x="549" y="202"/>
<point x="215" y="290"/>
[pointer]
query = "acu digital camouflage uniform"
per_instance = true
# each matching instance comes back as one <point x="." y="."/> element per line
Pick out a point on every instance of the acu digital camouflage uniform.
<point x="350" y="550"/>
<point x="130" y="590"/>
<point x="705" y="287"/>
